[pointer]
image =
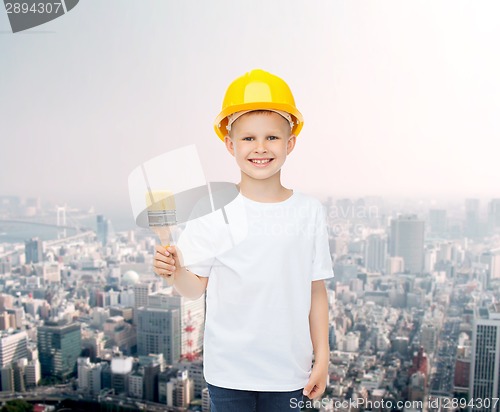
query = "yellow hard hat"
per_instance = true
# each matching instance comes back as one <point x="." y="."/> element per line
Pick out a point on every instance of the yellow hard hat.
<point x="257" y="90"/>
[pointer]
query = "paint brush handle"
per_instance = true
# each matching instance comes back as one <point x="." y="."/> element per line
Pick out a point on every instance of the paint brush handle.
<point x="168" y="237"/>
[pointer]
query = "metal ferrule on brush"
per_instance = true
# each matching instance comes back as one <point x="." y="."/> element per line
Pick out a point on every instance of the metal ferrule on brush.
<point x="161" y="218"/>
<point x="162" y="215"/>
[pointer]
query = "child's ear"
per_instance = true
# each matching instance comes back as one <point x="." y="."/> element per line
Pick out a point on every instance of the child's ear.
<point x="291" y="143"/>
<point x="229" y="144"/>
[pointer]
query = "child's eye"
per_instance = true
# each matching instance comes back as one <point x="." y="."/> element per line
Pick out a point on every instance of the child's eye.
<point x="273" y="137"/>
<point x="245" y="138"/>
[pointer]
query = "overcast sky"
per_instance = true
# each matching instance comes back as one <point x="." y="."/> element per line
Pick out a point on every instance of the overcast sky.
<point x="399" y="97"/>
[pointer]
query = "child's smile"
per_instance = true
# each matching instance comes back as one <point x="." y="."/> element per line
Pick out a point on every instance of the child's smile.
<point x="260" y="162"/>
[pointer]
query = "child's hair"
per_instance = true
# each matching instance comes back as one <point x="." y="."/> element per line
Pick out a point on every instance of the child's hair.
<point x="260" y="111"/>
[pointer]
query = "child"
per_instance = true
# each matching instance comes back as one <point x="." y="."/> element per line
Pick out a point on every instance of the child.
<point x="267" y="306"/>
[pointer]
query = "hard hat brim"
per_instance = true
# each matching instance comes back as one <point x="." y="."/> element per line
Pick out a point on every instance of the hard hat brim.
<point x="220" y="122"/>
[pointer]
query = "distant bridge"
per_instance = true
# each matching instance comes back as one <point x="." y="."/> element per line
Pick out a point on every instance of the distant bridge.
<point x="35" y="223"/>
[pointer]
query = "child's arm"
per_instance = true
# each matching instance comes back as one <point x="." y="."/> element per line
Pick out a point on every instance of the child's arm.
<point x="187" y="283"/>
<point x="318" y="324"/>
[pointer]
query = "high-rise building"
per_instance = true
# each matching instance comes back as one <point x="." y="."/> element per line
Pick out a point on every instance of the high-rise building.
<point x="141" y="292"/>
<point x="102" y="229"/>
<point x="332" y="339"/>
<point x="471" y="224"/>
<point x="461" y="379"/>
<point x="158" y="331"/>
<point x="195" y="369"/>
<point x="59" y="346"/>
<point x="428" y="337"/>
<point x="4" y="321"/>
<point x="430" y="259"/>
<point x="33" y="250"/>
<point x="13" y="346"/>
<point x="106" y="376"/>
<point x="375" y="252"/>
<point x="163" y="380"/>
<point x="494" y="216"/>
<point x="400" y="344"/>
<point x="33" y="372"/>
<point x="492" y="260"/>
<point x="6" y="301"/>
<point x="136" y="385"/>
<point x="5" y="266"/>
<point x="93" y="342"/>
<point x="16" y="316"/>
<point x="485" y="363"/>
<point x="7" y="378"/>
<point x="83" y="370"/>
<point x="20" y="374"/>
<point x="151" y="372"/>
<point x="407" y="241"/>
<point x="192" y="317"/>
<point x="89" y="375"/>
<point x="437" y="221"/>
<point x="50" y="272"/>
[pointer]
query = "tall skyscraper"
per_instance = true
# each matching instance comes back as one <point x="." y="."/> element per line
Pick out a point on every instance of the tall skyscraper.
<point x="33" y="250"/>
<point x="102" y="229"/>
<point x="407" y="241"/>
<point x="158" y="331"/>
<point x="375" y="252"/>
<point x="485" y="364"/>
<point x="494" y="216"/>
<point x="437" y="221"/>
<point x="59" y="346"/>
<point x="471" y="224"/>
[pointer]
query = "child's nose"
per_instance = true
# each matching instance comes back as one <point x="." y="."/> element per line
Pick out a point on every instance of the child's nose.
<point x="261" y="146"/>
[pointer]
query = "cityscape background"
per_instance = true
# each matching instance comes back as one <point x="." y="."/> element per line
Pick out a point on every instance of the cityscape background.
<point x="414" y="313"/>
<point x="401" y="107"/>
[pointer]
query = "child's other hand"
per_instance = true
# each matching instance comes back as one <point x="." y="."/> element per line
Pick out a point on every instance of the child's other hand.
<point x="317" y="381"/>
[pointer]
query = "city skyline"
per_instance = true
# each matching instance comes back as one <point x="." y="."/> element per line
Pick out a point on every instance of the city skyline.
<point x="124" y="220"/>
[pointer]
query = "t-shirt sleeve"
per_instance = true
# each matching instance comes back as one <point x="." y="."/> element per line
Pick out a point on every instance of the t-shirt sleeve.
<point x="322" y="259"/>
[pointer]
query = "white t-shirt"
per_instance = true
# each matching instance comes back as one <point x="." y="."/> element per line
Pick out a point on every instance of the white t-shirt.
<point x="260" y="267"/>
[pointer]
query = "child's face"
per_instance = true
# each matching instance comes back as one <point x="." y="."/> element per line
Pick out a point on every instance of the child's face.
<point x="258" y="135"/>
